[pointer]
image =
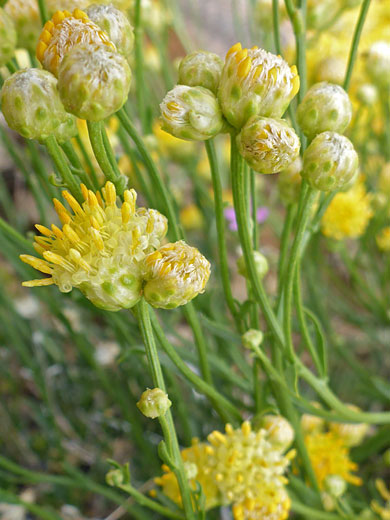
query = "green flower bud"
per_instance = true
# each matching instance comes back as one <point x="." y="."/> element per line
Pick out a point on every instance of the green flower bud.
<point x="335" y="485"/>
<point x="328" y="501"/>
<point x="289" y="182"/>
<point x="115" y="478"/>
<point x="325" y="107"/>
<point x="25" y="15"/>
<point x="7" y="37"/>
<point x="329" y="162"/>
<point x="268" y="145"/>
<point x="252" y="339"/>
<point x="174" y="275"/>
<point x="93" y="81"/>
<point x="255" y="82"/>
<point x="154" y="403"/>
<point x="191" y="113"/>
<point x="261" y="263"/>
<point x="32" y="107"/>
<point x="280" y="432"/>
<point x="116" y="24"/>
<point x="378" y="63"/>
<point x="201" y="69"/>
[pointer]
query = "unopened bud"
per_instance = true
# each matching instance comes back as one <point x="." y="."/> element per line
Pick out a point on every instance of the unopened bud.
<point x="280" y="432"/>
<point x="335" y="485"/>
<point x="154" y="403"/>
<point x="201" y="69"/>
<point x="252" y="339"/>
<point x="261" y="264"/>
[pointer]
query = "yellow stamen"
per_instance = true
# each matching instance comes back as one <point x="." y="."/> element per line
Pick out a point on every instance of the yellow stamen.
<point x="246" y="428"/>
<point x="244" y="67"/>
<point x="84" y="191"/>
<point x="41" y="48"/>
<point x="57" y="260"/>
<point x="37" y="263"/>
<point x="109" y="193"/>
<point x="78" y="259"/>
<point x="43" y="230"/>
<point x="236" y="47"/>
<point x="42" y="282"/>
<point x="71" y="234"/>
<point x="126" y="212"/>
<point x="73" y="203"/>
<point x="57" y="17"/>
<point x="241" y="55"/>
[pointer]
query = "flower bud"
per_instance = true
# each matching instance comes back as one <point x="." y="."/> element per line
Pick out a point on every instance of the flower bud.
<point x="32" y="107"/>
<point x="191" y="113"/>
<point x="64" y="31"/>
<point x="116" y="24"/>
<point x="352" y="434"/>
<point x="329" y="162"/>
<point x="201" y="69"/>
<point x="255" y="82"/>
<point x="335" y="485"/>
<point x="325" y="107"/>
<point x="115" y="478"/>
<point x="25" y="16"/>
<point x="93" y="81"/>
<point x="7" y="37"/>
<point x="252" y="339"/>
<point x="261" y="263"/>
<point x="268" y="145"/>
<point x="378" y="63"/>
<point x="174" y="275"/>
<point x="328" y="501"/>
<point x="367" y="94"/>
<point x="289" y="182"/>
<point x="154" y="403"/>
<point x="280" y="432"/>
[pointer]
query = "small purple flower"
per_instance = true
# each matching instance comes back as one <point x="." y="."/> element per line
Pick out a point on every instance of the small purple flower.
<point x="261" y="216"/>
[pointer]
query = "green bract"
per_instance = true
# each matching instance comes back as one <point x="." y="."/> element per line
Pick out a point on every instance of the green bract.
<point x="93" y="81"/>
<point x="325" y="107"/>
<point x="32" y="107"/>
<point x="330" y="162"/>
<point x="201" y="69"/>
<point x="191" y="113"/>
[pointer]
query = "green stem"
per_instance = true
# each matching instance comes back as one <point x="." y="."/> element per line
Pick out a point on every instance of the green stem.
<point x="355" y="43"/>
<point x="284" y="241"/>
<point x="298" y="20"/>
<point x="238" y="186"/>
<point x="15" y="235"/>
<point x="43" y="11"/>
<point x="166" y="421"/>
<point x="151" y="504"/>
<point x="290" y="273"/>
<point x="76" y="163"/>
<point x="220" y="222"/>
<point x="99" y="150"/>
<point x="68" y="178"/>
<point x="139" y="68"/>
<point x="313" y="514"/>
<point x="88" y="162"/>
<point x="198" y="382"/>
<point x="275" y="20"/>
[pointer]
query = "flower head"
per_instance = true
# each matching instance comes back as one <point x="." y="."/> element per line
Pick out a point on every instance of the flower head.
<point x="32" y="107"/>
<point x="268" y="145"/>
<point x="191" y="113"/>
<point x="255" y="82"/>
<point x="348" y="215"/>
<point x="261" y="264"/>
<point x="329" y="162"/>
<point x="64" y="31"/>
<point x="116" y="24"/>
<point x="325" y="107"/>
<point x="100" y="248"/>
<point x="330" y="456"/>
<point x="174" y="275"/>
<point x="383" y="239"/>
<point x="154" y="403"/>
<point x="93" y="81"/>
<point x="201" y="69"/>
<point x="7" y="37"/>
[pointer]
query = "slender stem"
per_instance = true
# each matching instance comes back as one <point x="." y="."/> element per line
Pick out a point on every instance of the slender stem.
<point x="139" y="61"/>
<point x="166" y="421"/>
<point x="88" y="162"/>
<point x="238" y="185"/>
<point x="15" y="235"/>
<point x="313" y="514"/>
<point x="151" y="504"/>
<point x="284" y="241"/>
<point x="99" y="150"/>
<point x="290" y="273"/>
<point x="298" y="20"/>
<point x="355" y="42"/>
<point x="76" y="163"/>
<point x="220" y="222"/>
<point x="198" y="382"/>
<point x="68" y="178"/>
<point x="275" y="20"/>
<point x="11" y="67"/>
<point x="43" y="11"/>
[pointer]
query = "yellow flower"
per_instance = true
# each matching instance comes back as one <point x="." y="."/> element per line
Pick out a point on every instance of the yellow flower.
<point x="256" y="509"/>
<point x="196" y="461"/>
<point x="330" y="456"/>
<point x="348" y="214"/>
<point x="64" y="31"/>
<point x="100" y="249"/>
<point x="383" y="239"/>
<point x="383" y="512"/>
<point x="191" y="217"/>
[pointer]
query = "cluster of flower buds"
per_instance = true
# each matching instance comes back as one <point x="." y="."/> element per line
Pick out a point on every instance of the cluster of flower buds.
<point x="249" y="91"/>
<point x="114" y="255"/>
